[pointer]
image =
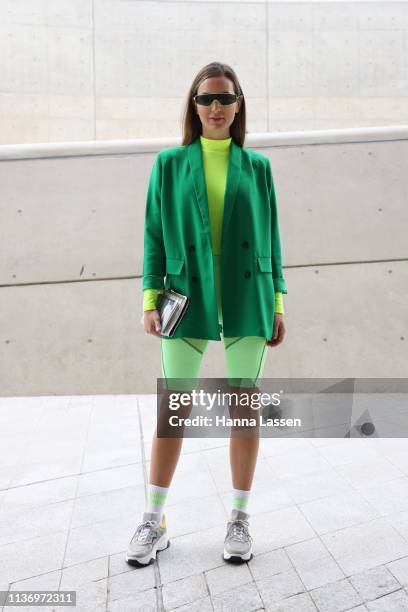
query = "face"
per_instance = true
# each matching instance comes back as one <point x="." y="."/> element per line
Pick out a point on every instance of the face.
<point x="216" y="119"/>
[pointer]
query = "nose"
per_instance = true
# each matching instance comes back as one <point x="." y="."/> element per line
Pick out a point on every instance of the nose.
<point x="217" y="102"/>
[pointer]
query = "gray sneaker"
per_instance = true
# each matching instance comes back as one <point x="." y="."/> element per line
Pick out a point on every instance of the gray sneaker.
<point x="238" y="542"/>
<point x="149" y="538"/>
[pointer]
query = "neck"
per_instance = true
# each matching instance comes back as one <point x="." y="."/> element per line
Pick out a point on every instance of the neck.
<point x="216" y="135"/>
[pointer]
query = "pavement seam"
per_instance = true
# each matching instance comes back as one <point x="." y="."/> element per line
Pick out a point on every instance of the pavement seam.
<point x="157" y="578"/>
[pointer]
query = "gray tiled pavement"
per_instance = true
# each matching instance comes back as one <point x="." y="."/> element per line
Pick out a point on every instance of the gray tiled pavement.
<point x="329" y="517"/>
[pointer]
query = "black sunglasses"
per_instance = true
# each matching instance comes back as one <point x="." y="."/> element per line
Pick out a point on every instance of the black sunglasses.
<point x="208" y="98"/>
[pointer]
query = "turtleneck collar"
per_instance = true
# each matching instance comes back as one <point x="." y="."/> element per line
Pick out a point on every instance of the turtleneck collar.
<point x="217" y="145"/>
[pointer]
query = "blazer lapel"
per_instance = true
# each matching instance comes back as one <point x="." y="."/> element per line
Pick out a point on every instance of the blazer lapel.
<point x="233" y="177"/>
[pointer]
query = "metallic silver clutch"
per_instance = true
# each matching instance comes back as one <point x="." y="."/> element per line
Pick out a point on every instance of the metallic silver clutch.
<point x="172" y="307"/>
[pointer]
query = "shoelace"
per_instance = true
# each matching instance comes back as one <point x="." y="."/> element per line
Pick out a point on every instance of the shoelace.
<point x="239" y="530"/>
<point x="144" y="531"/>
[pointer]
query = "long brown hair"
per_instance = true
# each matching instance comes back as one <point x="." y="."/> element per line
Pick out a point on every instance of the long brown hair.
<point x="192" y="126"/>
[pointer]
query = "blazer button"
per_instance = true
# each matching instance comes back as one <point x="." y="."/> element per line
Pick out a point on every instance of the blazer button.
<point x="194" y="279"/>
<point x="247" y="274"/>
<point x="245" y="244"/>
<point x="191" y="248"/>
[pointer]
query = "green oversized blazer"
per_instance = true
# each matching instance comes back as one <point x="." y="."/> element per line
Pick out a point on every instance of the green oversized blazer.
<point x="177" y="242"/>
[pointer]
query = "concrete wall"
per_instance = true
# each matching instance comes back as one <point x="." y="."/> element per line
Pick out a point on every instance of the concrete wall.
<point x="71" y="237"/>
<point x="108" y="69"/>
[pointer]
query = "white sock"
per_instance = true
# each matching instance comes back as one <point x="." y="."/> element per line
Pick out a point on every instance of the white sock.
<point x="240" y="499"/>
<point x="156" y="498"/>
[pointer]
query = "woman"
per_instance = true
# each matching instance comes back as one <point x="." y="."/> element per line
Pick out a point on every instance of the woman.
<point x="211" y="228"/>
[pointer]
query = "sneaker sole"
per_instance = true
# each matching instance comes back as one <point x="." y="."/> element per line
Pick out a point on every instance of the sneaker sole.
<point x="148" y="559"/>
<point x="237" y="558"/>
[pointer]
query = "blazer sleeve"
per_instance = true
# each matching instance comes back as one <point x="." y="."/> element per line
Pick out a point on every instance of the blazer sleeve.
<point x="279" y="282"/>
<point x="154" y="256"/>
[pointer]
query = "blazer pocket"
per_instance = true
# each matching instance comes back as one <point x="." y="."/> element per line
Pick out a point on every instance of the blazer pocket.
<point x="265" y="264"/>
<point x="174" y="266"/>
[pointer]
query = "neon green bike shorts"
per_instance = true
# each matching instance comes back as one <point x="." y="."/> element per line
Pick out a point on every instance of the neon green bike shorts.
<point x="182" y="357"/>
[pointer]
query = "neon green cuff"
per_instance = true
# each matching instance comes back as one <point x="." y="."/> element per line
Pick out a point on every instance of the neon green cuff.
<point x="279" y="303"/>
<point x="150" y="298"/>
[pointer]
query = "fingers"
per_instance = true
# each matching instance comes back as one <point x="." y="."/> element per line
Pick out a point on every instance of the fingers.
<point x="152" y="323"/>
<point x="277" y="337"/>
<point x="156" y="322"/>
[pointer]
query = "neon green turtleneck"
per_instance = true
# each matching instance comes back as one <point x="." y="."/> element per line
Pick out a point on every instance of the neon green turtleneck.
<point x="215" y="161"/>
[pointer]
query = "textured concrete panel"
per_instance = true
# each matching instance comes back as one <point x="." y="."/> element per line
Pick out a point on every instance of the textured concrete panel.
<point x="70" y="61"/>
<point x="44" y="13"/>
<point x="353" y="55"/>
<point x="43" y="129"/>
<point x="78" y="218"/>
<point x="46" y="60"/>
<point x="26" y="69"/>
<point x="347" y="206"/>
<point x="169" y="68"/>
<point x="153" y="16"/>
<point x="290" y="63"/>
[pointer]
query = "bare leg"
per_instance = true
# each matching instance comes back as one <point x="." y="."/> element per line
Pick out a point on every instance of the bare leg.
<point x="165" y="450"/>
<point x="244" y="444"/>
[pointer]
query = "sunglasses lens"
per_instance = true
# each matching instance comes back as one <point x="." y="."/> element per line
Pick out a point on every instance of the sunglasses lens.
<point x="226" y="98"/>
<point x="204" y="99"/>
<point x="223" y="98"/>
